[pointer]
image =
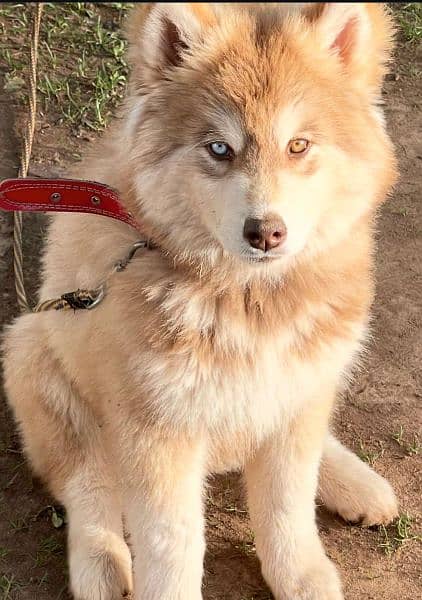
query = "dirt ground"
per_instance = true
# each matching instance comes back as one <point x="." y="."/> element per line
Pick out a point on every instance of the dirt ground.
<point x="380" y="418"/>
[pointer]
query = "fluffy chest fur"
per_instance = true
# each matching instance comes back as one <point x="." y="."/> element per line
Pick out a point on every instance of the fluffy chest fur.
<point x="193" y="354"/>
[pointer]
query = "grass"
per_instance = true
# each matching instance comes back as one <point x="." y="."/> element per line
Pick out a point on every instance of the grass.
<point x="412" y="447"/>
<point x="410" y="20"/>
<point x="8" y="587"/>
<point x="6" y="584"/>
<point x="19" y="524"/>
<point x="48" y="549"/>
<point x="368" y="455"/>
<point x="397" y="534"/>
<point x="81" y="65"/>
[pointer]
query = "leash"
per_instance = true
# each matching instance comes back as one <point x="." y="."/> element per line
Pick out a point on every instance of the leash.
<point x="50" y="195"/>
<point x="89" y="299"/>
<point x="25" y="157"/>
<point x="71" y="195"/>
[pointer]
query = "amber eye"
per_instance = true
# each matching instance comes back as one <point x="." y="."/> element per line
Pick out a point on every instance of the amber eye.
<point x="298" y="146"/>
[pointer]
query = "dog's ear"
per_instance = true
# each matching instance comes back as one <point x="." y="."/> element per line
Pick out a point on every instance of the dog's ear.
<point x="160" y="34"/>
<point x="360" y="34"/>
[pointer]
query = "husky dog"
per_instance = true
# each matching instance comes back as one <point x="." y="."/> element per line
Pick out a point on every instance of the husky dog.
<point x="252" y="150"/>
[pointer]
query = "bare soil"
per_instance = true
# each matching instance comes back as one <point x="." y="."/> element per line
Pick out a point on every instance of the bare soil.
<point x="385" y="399"/>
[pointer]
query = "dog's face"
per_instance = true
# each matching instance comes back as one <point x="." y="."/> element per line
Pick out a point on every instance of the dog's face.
<point x="254" y="130"/>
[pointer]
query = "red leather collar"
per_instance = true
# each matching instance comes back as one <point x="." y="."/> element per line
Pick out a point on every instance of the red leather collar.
<point x="63" y="195"/>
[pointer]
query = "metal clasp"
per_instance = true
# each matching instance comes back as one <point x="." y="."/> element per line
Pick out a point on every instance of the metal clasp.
<point x="101" y="293"/>
<point x="121" y="265"/>
<point x="89" y="299"/>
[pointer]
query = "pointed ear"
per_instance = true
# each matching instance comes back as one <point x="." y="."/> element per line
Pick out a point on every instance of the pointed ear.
<point x="360" y="34"/>
<point x="160" y="34"/>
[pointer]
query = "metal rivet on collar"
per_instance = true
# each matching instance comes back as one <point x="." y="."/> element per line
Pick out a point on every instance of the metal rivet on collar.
<point x="55" y="197"/>
<point x="95" y="200"/>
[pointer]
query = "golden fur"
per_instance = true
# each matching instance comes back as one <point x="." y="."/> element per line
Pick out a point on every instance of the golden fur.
<point x="204" y="356"/>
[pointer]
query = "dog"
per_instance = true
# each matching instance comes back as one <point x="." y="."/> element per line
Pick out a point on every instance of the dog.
<point x="252" y="149"/>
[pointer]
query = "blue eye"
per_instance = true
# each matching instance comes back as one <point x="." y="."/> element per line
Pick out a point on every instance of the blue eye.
<point x="220" y="151"/>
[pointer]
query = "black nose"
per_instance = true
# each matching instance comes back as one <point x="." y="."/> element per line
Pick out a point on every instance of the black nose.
<point x="265" y="234"/>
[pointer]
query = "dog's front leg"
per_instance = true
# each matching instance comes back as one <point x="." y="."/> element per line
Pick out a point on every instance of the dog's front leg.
<point x="164" y="512"/>
<point x="282" y="482"/>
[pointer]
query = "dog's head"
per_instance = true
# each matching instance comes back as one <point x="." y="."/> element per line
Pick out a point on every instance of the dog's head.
<point x="254" y="129"/>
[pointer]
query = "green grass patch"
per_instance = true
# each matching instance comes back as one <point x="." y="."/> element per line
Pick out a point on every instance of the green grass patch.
<point x="412" y="446"/>
<point x="82" y="72"/>
<point x="398" y="533"/>
<point x="369" y="455"/>
<point x="410" y="20"/>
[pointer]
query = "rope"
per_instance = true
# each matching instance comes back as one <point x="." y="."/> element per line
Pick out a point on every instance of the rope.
<point x="25" y="158"/>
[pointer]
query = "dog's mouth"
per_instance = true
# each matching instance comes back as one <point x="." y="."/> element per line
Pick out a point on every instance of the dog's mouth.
<point x="262" y="258"/>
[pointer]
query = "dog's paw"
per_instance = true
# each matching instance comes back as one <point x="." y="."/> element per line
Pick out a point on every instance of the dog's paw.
<point x="319" y="582"/>
<point x="364" y="497"/>
<point x="100" y="570"/>
<point x="318" y="586"/>
<point x="349" y="487"/>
